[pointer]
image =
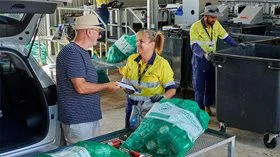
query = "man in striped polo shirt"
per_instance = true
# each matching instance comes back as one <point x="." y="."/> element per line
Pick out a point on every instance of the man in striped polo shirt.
<point x="78" y="99"/>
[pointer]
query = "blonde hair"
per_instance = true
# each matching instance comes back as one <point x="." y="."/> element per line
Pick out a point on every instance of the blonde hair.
<point x="154" y="36"/>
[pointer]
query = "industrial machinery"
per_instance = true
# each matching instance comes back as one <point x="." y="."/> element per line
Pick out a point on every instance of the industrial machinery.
<point x="238" y="8"/>
<point x="275" y="11"/>
<point x="223" y="8"/>
<point x="275" y="14"/>
<point x="250" y="15"/>
<point x="141" y="13"/>
<point x="192" y="10"/>
<point x="254" y="12"/>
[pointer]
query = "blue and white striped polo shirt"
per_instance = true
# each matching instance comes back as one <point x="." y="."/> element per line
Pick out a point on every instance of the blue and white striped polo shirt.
<point x="73" y="108"/>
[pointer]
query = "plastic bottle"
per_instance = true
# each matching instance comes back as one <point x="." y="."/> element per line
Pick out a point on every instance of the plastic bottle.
<point x="115" y="143"/>
<point x="136" y="154"/>
<point x="163" y="141"/>
<point x="133" y="121"/>
<point x="151" y="145"/>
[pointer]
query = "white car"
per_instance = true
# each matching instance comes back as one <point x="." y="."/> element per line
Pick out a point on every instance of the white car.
<point x="28" y="122"/>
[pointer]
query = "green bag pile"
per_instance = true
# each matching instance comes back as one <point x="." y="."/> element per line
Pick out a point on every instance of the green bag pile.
<point x="122" y="49"/>
<point x="87" y="149"/>
<point x="35" y="52"/>
<point x="170" y="128"/>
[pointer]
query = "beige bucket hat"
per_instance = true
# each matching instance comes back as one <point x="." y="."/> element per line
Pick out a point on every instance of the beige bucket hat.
<point x="87" y="22"/>
<point x="212" y="10"/>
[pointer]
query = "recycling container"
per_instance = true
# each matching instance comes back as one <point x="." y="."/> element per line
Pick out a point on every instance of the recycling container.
<point x="248" y="88"/>
<point x="248" y="38"/>
<point x="178" y="53"/>
<point x="256" y="29"/>
<point x="273" y="31"/>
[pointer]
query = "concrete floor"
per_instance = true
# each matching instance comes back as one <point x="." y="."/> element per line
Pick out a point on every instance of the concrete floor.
<point x="248" y="144"/>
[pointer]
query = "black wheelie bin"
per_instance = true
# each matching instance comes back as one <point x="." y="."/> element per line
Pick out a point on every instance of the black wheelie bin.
<point x="248" y="38"/>
<point x="178" y="53"/>
<point x="248" y="89"/>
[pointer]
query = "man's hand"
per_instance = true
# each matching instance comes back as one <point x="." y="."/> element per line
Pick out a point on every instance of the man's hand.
<point x="208" y="56"/>
<point x="112" y="86"/>
<point x="157" y="98"/>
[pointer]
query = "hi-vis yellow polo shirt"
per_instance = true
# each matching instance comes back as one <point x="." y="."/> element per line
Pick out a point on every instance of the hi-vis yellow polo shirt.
<point x="207" y="41"/>
<point x="157" y="78"/>
<point x="100" y="2"/>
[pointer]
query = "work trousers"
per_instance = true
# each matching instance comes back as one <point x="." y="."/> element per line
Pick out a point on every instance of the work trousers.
<point x="103" y="13"/>
<point x="203" y="81"/>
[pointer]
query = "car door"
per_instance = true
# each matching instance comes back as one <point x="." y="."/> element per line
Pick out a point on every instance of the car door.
<point x="28" y="124"/>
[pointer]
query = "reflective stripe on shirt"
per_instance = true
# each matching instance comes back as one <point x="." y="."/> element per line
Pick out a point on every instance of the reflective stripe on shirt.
<point x="142" y="84"/>
<point x="100" y="2"/>
<point x="199" y="35"/>
<point x="158" y="76"/>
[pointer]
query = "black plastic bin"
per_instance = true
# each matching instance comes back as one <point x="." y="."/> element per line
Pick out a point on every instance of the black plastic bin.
<point x="248" y="89"/>
<point x="273" y="31"/>
<point x="178" y="53"/>
<point x="257" y="29"/>
<point x="248" y="38"/>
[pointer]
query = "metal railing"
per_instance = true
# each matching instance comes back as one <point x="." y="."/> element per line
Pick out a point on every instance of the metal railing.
<point x="92" y="11"/>
<point x="117" y="18"/>
<point x="134" y="15"/>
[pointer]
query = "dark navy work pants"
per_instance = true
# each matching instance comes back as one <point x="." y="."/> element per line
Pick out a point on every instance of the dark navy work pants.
<point x="103" y="13"/>
<point x="203" y="81"/>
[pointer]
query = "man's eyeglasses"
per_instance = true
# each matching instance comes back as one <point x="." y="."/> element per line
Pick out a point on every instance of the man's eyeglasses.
<point x="98" y="30"/>
<point x="100" y="33"/>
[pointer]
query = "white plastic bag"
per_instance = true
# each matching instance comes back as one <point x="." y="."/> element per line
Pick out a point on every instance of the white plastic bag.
<point x="138" y="112"/>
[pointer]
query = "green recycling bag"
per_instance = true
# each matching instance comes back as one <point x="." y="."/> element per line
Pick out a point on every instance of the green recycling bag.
<point x="170" y="128"/>
<point x="87" y="149"/>
<point x="122" y="49"/>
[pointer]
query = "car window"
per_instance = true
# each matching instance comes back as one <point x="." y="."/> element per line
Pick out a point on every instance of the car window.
<point x="13" y="24"/>
<point x="11" y="18"/>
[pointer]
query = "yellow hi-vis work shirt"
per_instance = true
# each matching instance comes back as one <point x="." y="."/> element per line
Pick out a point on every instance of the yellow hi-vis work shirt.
<point x="199" y="35"/>
<point x="157" y="78"/>
<point x="100" y="2"/>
